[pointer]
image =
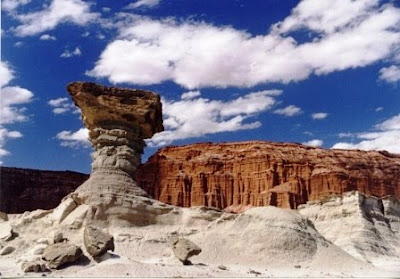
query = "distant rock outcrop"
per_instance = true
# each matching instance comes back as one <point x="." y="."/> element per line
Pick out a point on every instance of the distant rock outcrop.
<point x="235" y="175"/>
<point x="26" y="189"/>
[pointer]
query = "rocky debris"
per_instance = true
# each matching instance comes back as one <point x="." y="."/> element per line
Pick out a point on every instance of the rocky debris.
<point x="7" y="250"/>
<point x="251" y="271"/>
<point x="118" y="121"/>
<point x="38" y="249"/>
<point x="75" y="219"/>
<point x="64" y="209"/>
<point x="260" y="173"/>
<point x="3" y="216"/>
<point x="6" y="232"/>
<point x="97" y="242"/>
<point x="34" y="266"/>
<point x="184" y="249"/>
<point x="58" y="254"/>
<point x="26" y="189"/>
<point x="58" y="237"/>
<point x="222" y="267"/>
<point x="42" y="240"/>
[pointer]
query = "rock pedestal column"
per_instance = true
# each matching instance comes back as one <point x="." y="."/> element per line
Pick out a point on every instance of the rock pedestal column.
<point x="118" y="121"/>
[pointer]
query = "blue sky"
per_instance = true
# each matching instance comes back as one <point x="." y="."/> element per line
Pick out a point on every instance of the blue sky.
<point x="322" y="73"/>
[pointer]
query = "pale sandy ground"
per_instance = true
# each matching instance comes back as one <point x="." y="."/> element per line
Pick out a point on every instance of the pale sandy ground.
<point x="261" y="242"/>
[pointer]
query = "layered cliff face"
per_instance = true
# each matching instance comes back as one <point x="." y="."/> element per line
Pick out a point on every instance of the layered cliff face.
<point x="230" y="175"/>
<point x="26" y="190"/>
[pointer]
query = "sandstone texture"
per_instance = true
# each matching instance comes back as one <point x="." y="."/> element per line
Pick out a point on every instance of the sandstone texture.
<point x="26" y="189"/>
<point x="96" y="241"/>
<point x="184" y="249"/>
<point x="366" y="227"/>
<point x="34" y="266"/>
<point x="7" y="250"/>
<point x="256" y="173"/>
<point x="59" y="254"/>
<point x="118" y="121"/>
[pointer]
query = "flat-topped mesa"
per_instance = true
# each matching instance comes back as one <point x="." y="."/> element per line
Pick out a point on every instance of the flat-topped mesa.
<point x="118" y="121"/>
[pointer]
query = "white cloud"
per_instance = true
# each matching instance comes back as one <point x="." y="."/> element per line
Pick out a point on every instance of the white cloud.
<point x="346" y="135"/>
<point x="63" y="105"/>
<point x="4" y="136"/>
<point x="386" y="137"/>
<point x="327" y="16"/>
<point x="57" y="102"/>
<point x="47" y="37"/>
<point x="390" y="124"/>
<point x="76" y="139"/>
<point x="196" y="54"/>
<point x="190" y="95"/>
<point x="11" y="5"/>
<point x="68" y="54"/>
<point x="390" y="74"/>
<point x="314" y="142"/>
<point x="59" y="11"/>
<point x="378" y="109"/>
<point x="106" y="9"/>
<point x="11" y="99"/>
<point x="18" y="44"/>
<point x="6" y="73"/>
<point x="289" y="111"/>
<point x="319" y="115"/>
<point x="196" y="117"/>
<point x="143" y="4"/>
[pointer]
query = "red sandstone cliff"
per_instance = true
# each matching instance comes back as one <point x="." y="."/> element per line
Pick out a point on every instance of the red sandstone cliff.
<point x="264" y="173"/>
<point x="26" y="189"/>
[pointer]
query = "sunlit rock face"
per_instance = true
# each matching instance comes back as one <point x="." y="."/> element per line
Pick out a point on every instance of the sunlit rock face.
<point x="118" y="121"/>
<point x="237" y="175"/>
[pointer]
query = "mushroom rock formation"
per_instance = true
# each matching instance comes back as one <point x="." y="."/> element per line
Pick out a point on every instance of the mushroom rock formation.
<point x="118" y="121"/>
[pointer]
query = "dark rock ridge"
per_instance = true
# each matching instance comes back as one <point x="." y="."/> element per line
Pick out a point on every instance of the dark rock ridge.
<point x="256" y="173"/>
<point x="27" y="189"/>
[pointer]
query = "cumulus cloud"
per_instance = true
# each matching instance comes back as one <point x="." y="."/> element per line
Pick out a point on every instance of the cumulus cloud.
<point x="59" y="11"/>
<point x="47" y="37"/>
<point x="385" y="137"/>
<point x="62" y="106"/>
<point x="327" y="16"/>
<point x="68" y="54"/>
<point x="6" y="73"/>
<point x="76" y="139"/>
<point x="143" y="4"/>
<point x="11" y="5"/>
<point x="197" y="116"/>
<point x="289" y="111"/>
<point x="390" y="74"/>
<point x="314" y="142"/>
<point x="319" y="115"/>
<point x="348" y="34"/>
<point x="4" y="136"/>
<point x="11" y="109"/>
